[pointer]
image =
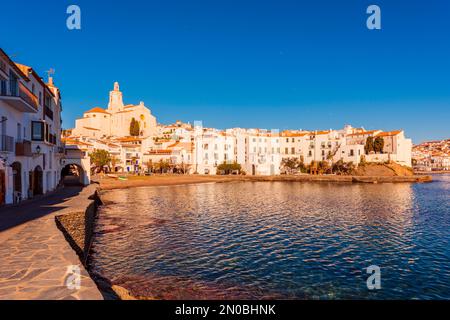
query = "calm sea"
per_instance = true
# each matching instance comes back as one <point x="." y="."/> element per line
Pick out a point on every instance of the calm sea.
<point x="280" y="240"/>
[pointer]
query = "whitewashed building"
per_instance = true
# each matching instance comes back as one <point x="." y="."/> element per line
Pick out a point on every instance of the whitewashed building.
<point x="30" y="129"/>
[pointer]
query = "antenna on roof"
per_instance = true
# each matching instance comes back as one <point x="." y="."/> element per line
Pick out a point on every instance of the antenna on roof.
<point x="50" y="73"/>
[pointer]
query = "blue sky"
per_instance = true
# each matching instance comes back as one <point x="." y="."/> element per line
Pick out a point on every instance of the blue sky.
<point x="269" y="64"/>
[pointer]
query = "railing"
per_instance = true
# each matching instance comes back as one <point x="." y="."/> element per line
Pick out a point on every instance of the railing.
<point x="23" y="148"/>
<point x="48" y="112"/>
<point x="28" y="96"/>
<point x="17" y="89"/>
<point x="6" y="143"/>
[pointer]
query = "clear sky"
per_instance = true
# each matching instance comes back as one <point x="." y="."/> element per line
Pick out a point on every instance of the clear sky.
<point x="269" y="64"/>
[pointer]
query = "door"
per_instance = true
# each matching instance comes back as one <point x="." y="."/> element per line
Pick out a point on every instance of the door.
<point x="2" y="187"/>
<point x="37" y="181"/>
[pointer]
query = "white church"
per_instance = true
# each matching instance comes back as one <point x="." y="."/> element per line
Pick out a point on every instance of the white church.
<point x="115" y="120"/>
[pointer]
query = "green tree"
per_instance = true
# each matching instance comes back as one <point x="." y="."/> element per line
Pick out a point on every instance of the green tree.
<point x="134" y="128"/>
<point x="378" y="145"/>
<point x="290" y="164"/>
<point x="228" y="168"/>
<point x="323" y="167"/>
<point x="369" y="147"/>
<point x="100" y="158"/>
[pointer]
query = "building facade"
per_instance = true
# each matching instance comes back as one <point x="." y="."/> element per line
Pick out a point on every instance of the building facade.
<point x="30" y="128"/>
<point x="115" y="120"/>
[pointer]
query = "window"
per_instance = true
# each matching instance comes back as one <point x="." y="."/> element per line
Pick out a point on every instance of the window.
<point x="19" y="132"/>
<point x="37" y="131"/>
<point x="286" y="151"/>
<point x="3" y="87"/>
<point x="3" y="124"/>
<point x="293" y="150"/>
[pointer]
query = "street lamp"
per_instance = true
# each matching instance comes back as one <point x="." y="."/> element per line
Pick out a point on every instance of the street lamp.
<point x="38" y="149"/>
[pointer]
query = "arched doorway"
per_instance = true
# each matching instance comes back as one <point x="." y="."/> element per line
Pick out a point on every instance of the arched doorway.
<point x="72" y="175"/>
<point x="37" y="185"/>
<point x="17" y="181"/>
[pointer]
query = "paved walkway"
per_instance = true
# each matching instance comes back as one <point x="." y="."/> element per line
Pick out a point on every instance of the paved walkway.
<point x="34" y="255"/>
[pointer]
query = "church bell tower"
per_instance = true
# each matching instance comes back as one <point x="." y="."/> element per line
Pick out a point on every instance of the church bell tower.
<point x="115" y="99"/>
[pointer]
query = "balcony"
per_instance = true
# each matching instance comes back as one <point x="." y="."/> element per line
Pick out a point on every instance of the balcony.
<point x="48" y="112"/>
<point x="23" y="149"/>
<point x="6" y="143"/>
<point x="20" y="97"/>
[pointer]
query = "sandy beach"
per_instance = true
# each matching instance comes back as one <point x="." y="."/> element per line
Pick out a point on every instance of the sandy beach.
<point x="108" y="183"/>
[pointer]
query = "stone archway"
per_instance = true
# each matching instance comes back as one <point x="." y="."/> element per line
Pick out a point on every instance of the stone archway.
<point x="73" y="175"/>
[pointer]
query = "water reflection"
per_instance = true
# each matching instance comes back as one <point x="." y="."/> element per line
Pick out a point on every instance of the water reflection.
<point x="276" y="240"/>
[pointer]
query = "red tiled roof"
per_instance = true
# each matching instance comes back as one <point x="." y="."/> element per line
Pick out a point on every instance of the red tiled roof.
<point x="97" y="110"/>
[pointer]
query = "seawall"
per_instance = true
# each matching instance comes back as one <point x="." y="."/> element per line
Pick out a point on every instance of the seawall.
<point x="77" y="223"/>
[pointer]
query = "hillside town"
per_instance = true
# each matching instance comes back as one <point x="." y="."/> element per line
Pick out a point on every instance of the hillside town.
<point x="432" y="156"/>
<point x="36" y="154"/>
<point x="137" y="144"/>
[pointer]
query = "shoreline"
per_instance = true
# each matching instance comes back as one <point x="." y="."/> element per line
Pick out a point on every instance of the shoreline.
<point x="107" y="183"/>
<point x="78" y="226"/>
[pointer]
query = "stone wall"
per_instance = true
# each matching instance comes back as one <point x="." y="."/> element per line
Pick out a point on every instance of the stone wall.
<point x="77" y="223"/>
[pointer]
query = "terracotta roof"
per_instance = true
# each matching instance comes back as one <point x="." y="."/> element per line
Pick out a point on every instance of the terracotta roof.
<point x="183" y="145"/>
<point x="128" y="139"/>
<point x="362" y="133"/>
<point x="77" y="142"/>
<point x="293" y="134"/>
<point x="13" y="65"/>
<point x="159" y="152"/>
<point x="97" y="110"/>
<point x="389" y="133"/>
<point x="315" y="133"/>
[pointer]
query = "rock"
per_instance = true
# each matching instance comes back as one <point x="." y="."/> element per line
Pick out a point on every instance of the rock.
<point x="122" y="293"/>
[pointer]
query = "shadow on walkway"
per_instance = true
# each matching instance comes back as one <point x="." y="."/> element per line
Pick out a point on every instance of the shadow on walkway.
<point x="36" y="208"/>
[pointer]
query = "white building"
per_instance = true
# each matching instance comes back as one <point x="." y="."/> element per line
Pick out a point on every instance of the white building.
<point x="30" y="129"/>
<point x="115" y="121"/>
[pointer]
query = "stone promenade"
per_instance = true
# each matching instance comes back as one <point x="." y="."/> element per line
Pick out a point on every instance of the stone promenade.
<point x="34" y="255"/>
